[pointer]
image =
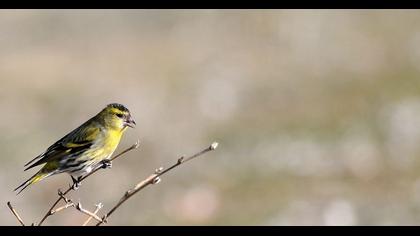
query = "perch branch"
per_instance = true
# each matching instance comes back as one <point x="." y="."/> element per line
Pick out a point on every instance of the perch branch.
<point x="153" y="179"/>
<point x="63" y="194"/>
<point x="15" y="214"/>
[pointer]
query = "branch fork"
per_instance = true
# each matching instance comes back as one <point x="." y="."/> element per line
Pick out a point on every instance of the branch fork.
<point x="154" y="179"/>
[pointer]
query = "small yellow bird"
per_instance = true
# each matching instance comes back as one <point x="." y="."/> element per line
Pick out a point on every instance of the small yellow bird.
<point x="85" y="148"/>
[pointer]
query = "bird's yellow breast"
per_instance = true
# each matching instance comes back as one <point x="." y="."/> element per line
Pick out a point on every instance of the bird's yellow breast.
<point x="112" y="139"/>
<point x="106" y="148"/>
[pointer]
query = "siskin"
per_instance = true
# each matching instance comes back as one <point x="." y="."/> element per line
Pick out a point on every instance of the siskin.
<point x="85" y="148"/>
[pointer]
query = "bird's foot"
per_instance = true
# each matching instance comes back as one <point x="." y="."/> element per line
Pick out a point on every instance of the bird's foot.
<point x="106" y="164"/>
<point x="76" y="182"/>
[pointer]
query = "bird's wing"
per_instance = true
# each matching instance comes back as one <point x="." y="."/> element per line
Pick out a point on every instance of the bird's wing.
<point x="77" y="141"/>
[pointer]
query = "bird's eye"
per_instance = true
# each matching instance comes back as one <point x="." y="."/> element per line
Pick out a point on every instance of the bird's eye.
<point x="120" y="115"/>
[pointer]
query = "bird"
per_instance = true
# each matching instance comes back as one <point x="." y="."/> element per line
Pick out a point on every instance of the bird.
<point x="85" y="148"/>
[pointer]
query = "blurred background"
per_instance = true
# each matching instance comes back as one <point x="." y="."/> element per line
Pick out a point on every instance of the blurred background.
<point x="317" y="113"/>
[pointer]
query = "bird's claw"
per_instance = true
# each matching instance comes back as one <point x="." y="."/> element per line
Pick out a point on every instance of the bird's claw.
<point x="76" y="183"/>
<point x="106" y="164"/>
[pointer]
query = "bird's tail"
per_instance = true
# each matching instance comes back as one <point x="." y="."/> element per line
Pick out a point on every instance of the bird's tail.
<point x="34" y="179"/>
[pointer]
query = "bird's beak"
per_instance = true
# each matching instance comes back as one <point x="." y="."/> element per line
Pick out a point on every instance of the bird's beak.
<point x="130" y="122"/>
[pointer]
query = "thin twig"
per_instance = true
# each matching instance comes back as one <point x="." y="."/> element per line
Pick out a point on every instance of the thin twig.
<point x="86" y="212"/>
<point x="79" y="207"/>
<point x="15" y="214"/>
<point x="134" y="146"/>
<point x="98" y="207"/>
<point x="71" y="204"/>
<point x="153" y="179"/>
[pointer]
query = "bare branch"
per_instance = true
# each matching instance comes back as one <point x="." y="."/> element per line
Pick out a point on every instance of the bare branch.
<point x="98" y="207"/>
<point x="15" y="213"/>
<point x="79" y="207"/>
<point x="84" y="211"/>
<point x="153" y="179"/>
<point x="63" y="194"/>
<point x="70" y="204"/>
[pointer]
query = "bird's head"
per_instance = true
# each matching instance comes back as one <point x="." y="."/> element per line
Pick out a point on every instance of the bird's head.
<point x="117" y="116"/>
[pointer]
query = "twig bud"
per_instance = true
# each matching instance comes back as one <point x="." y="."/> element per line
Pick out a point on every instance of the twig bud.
<point x="136" y="145"/>
<point x="105" y="218"/>
<point x="156" y="180"/>
<point x="158" y="170"/>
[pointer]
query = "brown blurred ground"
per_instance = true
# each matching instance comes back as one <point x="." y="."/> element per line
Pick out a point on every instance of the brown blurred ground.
<point x="317" y="112"/>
